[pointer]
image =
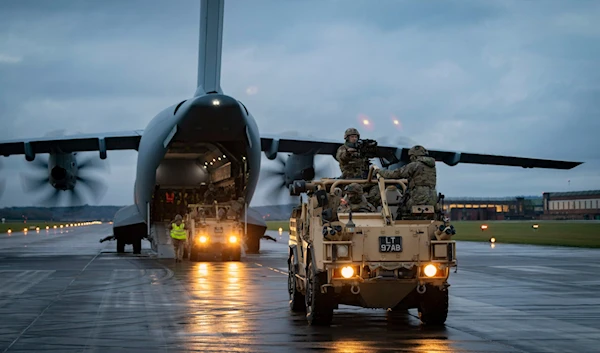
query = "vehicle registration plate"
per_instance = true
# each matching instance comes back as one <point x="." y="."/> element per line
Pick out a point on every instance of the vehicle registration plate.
<point x="218" y="230"/>
<point x="390" y="244"/>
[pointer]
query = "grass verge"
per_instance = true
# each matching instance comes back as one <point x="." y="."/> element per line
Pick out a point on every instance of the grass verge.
<point x="557" y="233"/>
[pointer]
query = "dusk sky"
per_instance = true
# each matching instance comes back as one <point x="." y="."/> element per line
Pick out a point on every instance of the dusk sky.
<point x="517" y="78"/>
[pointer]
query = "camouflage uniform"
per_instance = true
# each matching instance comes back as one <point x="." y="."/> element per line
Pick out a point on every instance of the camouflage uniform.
<point x="355" y="200"/>
<point x="352" y="165"/>
<point x="421" y="175"/>
<point x="210" y="195"/>
<point x="237" y="206"/>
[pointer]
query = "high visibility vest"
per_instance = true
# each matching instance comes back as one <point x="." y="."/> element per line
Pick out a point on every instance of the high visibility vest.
<point x="170" y="198"/>
<point x="178" y="232"/>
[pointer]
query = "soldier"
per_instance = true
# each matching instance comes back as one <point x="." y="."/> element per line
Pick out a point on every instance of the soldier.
<point x="236" y="208"/>
<point x="355" y="200"/>
<point x="421" y="175"/>
<point x="352" y="164"/>
<point x="210" y="195"/>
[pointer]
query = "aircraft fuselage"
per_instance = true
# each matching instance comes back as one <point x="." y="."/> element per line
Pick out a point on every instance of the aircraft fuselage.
<point x="213" y="118"/>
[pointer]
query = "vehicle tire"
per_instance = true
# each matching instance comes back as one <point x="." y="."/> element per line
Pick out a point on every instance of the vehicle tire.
<point x="433" y="306"/>
<point x="229" y="255"/>
<point x="120" y="246"/>
<point x="297" y="300"/>
<point x="319" y="306"/>
<point x="137" y="246"/>
<point x="193" y="255"/>
<point x="236" y="255"/>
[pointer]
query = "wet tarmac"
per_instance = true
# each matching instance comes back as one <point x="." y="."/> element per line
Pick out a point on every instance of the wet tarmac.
<point x="65" y="292"/>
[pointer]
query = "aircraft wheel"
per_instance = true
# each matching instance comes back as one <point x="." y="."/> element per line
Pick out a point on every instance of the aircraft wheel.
<point x="120" y="246"/>
<point x="137" y="246"/>
<point x="253" y="245"/>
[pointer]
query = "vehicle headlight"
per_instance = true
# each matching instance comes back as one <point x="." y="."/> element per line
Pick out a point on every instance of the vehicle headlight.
<point x="203" y="239"/>
<point x="347" y="272"/>
<point x="233" y="239"/>
<point x="342" y="250"/>
<point x="430" y="270"/>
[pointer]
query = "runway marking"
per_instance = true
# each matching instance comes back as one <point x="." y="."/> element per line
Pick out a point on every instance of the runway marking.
<point x="56" y="298"/>
<point x="537" y="269"/>
<point x="278" y="270"/>
<point x="14" y="282"/>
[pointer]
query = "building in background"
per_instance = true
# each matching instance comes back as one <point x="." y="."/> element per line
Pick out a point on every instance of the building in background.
<point x="572" y="205"/>
<point x="489" y="208"/>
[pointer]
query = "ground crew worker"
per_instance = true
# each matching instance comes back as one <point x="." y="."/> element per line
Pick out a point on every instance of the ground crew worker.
<point x="355" y="200"/>
<point x="179" y="237"/>
<point x="421" y="175"/>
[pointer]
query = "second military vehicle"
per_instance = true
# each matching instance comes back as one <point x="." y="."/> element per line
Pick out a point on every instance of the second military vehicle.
<point x="371" y="259"/>
<point x="214" y="232"/>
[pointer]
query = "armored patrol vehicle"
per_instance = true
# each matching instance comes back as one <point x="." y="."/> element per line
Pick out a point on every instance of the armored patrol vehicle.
<point x="214" y="232"/>
<point x="373" y="259"/>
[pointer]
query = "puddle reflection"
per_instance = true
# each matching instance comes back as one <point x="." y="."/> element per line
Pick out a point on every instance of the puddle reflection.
<point x="217" y="291"/>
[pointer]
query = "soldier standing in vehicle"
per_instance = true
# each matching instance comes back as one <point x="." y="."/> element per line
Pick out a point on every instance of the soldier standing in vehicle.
<point x="355" y="166"/>
<point x="210" y="195"/>
<point x="355" y="200"/>
<point x="178" y="237"/>
<point x="352" y="164"/>
<point x="236" y="208"/>
<point x="421" y="175"/>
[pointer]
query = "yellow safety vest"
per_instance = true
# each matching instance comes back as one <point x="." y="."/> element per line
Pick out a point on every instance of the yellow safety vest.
<point x="178" y="232"/>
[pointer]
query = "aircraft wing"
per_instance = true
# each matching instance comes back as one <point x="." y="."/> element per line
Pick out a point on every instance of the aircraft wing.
<point x="102" y="142"/>
<point x="271" y="144"/>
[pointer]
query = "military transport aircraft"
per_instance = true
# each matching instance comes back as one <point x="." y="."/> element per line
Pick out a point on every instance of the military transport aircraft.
<point x="208" y="137"/>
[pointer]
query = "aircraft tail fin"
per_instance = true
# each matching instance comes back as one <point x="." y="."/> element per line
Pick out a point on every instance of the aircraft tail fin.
<point x="210" y="47"/>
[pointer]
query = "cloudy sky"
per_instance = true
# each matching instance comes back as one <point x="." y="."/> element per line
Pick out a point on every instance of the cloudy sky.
<point x="502" y="77"/>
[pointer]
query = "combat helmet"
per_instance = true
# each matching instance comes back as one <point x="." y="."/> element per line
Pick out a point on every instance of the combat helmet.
<point x="351" y="131"/>
<point x="354" y="188"/>
<point x="417" y="151"/>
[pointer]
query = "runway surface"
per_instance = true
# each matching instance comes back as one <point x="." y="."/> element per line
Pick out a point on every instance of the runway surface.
<point x="65" y="292"/>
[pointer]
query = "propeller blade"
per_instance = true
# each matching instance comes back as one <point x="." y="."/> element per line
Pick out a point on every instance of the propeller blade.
<point x="51" y="199"/>
<point x="269" y="173"/>
<point x="75" y="198"/>
<point x="33" y="184"/>
<point x="323" y="168"/>
<point x="280" y="160"/>
<point x="96" y="187"/>
<point x="40" y="163"/>
<point x="91" y="163"/>
<point x="275" y="189"/>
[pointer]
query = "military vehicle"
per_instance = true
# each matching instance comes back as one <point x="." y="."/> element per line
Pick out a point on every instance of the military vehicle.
<point x="370" y="260"/>
<point x="214" y="232"/>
